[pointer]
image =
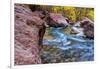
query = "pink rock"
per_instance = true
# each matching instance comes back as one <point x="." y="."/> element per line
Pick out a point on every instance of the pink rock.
<point x="29" y="32"/>
<point x="26" y="36"/>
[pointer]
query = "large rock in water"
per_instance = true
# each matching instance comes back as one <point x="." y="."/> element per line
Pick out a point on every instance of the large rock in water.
<point x="88" y="26"/>
<point x="26" y="36"/>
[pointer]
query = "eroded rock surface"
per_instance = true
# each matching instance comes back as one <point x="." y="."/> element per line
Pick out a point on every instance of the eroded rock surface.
<point x="26" y="36"/>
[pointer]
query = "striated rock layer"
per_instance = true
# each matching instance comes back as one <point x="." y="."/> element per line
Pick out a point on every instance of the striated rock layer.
<point x="26" y="37"/>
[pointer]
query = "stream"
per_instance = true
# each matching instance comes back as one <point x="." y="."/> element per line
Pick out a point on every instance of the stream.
<point x="70" y="46"/>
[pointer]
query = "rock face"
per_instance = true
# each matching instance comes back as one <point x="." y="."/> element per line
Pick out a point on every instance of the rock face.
<point x="29" y="31"/>
<point x="26" y="36"/>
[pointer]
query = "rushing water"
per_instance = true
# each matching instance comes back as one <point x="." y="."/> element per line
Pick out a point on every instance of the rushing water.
<point x="69" y="43"/>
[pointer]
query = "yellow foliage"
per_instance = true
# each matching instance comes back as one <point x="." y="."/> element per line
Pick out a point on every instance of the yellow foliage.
<point x="91" y="14"/>
<point x="74" y="14"/>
